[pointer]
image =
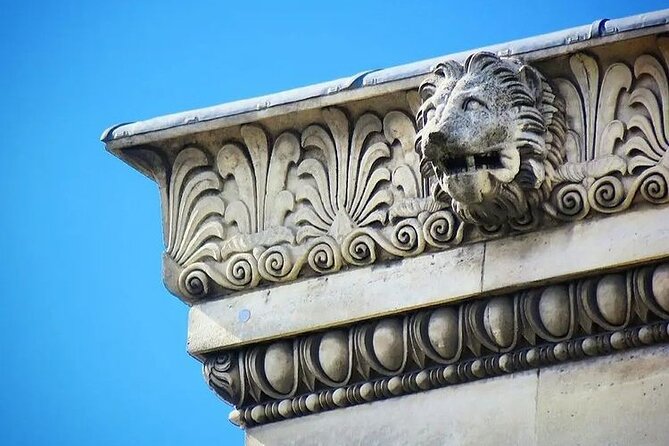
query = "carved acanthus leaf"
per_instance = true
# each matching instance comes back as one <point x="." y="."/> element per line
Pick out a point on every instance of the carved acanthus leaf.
<point x="314" y="201"/>
<point x="346" y="190"/>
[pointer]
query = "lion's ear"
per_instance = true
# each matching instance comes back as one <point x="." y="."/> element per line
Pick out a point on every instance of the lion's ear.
<point x="533" y="80"/>
<point x="449" y="70"/>
<point x="444" y="75"/>
<point x="427" y="89"/>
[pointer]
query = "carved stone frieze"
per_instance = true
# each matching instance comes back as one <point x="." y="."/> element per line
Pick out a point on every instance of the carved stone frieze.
<point x="500" y="147"/>
<point x="616" y="143"/>
<point x="266" y="209"/>
<point x="442" y="346"/>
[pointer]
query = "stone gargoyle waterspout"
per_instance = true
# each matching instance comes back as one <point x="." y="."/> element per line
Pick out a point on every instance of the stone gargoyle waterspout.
<point x="496" y="135"/>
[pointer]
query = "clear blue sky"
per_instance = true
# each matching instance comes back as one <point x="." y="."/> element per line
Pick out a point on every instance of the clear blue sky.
<point x="93" y="346"/>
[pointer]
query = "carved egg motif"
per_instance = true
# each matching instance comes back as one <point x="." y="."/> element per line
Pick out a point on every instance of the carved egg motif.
<point x="554" y="310"/>
<point x="333" y="355"/>
<point x="611" y="299"/>
<point x="388" y="344"/>
<point x="442" y="331"/>
<point x="499" y="322"/>
<point x="660" y="286"/>
<point x="279" y="366"/>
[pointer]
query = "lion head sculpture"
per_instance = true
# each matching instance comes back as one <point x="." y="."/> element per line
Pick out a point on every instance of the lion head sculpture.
<point x="492" y="131"/>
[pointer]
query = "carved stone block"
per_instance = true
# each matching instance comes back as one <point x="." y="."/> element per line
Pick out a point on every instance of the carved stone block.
<point x="501" y="148"/>
<point x="449" y="345"/>
<point x="489" y="177"/>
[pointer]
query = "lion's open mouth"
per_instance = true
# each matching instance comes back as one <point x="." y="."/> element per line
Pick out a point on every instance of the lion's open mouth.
<point x="470" y="163"/>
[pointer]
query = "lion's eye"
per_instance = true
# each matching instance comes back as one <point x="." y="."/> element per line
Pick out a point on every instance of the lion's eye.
<point x="473" y="104"/>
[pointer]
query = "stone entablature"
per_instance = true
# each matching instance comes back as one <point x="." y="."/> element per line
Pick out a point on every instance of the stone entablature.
<point x="297" y="232"/>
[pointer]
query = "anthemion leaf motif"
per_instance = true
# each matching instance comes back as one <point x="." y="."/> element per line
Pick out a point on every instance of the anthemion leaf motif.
<point x="616" y="136"/>
<point x="256" y="209"/>
<point x="262" y="200"/>
<point x="335" y="185"/>
<point x="648" y="146"/>
<point x="193" y="211"/>
<point x="590" y="113"/>
<point x="194" y="226"/>
<point x="342" y="181"/>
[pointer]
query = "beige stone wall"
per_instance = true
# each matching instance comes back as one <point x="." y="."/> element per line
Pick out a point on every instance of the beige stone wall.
<point x="622" y="399"/>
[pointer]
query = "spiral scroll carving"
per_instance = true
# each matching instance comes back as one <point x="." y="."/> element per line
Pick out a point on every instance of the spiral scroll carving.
<point x="359" y="248"/>
<point x="570" y="202"/>
<point x="654" y="187"/>
<point x="407" y="235"/>
<point x="442" y="229"/>
<point x="606" y="194"/>
<point x="275" y="264"/>
<point x="324" y="256"/>
<point x="195" y="282"/>
<point x="242" y="271"/>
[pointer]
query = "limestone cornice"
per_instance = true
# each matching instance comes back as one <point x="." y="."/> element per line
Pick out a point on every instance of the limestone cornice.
<point x="322" y="191"/>
<point x="444" y="346"/>
<point x="371" y="83"/>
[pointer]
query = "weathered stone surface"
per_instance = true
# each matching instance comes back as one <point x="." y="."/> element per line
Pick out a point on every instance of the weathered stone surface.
<point x="504" y="147"/>
<point x="353" y="265"/>
<point x="620" y="399"/>
<point x="494" y="135"/>
<point x="633" y="237"/>
<point x="493" y="412"/>
<point x="628" y="238"/>
<point x="335" y="300"/>
<point x="616" y="400"/>
<point x="429" y="349"/>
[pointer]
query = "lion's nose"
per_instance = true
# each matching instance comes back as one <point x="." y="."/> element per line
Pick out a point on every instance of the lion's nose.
<point x="436" y="138"/>
<point x="433" y="145"/>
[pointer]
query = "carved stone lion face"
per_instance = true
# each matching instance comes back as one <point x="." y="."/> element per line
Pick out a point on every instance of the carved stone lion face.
<point x="491" y="132"/>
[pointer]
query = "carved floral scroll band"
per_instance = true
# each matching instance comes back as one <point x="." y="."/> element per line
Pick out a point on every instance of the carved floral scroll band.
<point x="353" y="190"/>
<point x="625" y="116"/>
<point x="336" y="194"/>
